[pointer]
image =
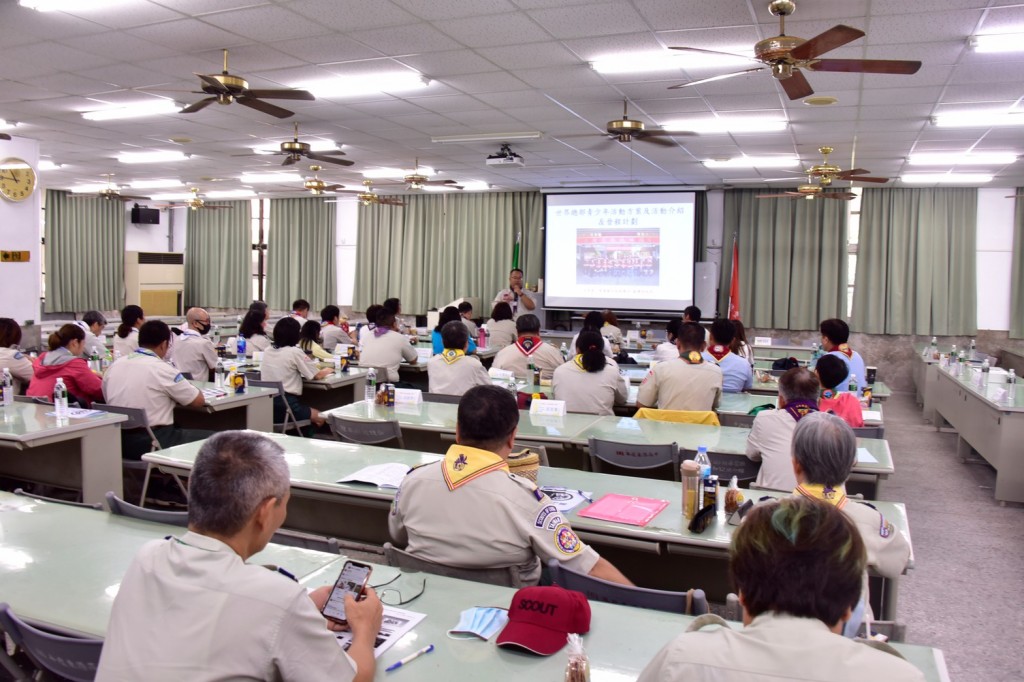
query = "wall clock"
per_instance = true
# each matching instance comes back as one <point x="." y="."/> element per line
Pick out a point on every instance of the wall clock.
<point x="17" y="179"/>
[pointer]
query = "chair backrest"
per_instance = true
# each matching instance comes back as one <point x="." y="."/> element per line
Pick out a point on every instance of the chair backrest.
<point x="291" y="422"/>
<point x="679" y="416"/>
<point x="694" y="602"/>
<point x="506" y="576"/>
<point x="542" y="452"/>
<point x="38" y="400"/>
<point x="54" y="500"/>
<point x="869" y="432"/>
<point x="744" y="421"/>
<point x="294" y="538"/>
<point x="633" y="456"/>
<point x="186" y="375"/>
<point x="726" y="466"/>
<point x="123" y="508"/>
<point x="136" y="415"/>
<point x="276" y="385"/>
<point x="441" y="398"/>
<point x="364" y="432"/>
<point x="72" y="658"/>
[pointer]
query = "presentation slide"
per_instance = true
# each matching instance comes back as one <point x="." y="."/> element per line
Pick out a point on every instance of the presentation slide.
<point x="623" y="251"/>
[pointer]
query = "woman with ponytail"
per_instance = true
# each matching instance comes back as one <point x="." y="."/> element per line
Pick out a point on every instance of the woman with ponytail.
<point x="590" y="382"/>
<point x="126" y="340"/>
<point x="64" y="360"/>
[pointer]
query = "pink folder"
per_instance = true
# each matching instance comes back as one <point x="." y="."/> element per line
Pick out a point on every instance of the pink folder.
<point x="635" y="511"/>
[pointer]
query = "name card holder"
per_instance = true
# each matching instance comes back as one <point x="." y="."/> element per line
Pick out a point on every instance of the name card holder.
<point x="408" y="396"/>
<point x="762" y="340"/>
<point x="501" y="373"/>
<point x="549" y="408"/>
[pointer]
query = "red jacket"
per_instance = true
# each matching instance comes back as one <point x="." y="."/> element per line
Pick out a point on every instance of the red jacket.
<point x="81" y="382"/>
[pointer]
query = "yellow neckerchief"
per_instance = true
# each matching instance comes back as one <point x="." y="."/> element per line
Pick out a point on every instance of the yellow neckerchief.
<point x="578" y="360"/>
<point x="462" y="464"/>
<point x="834" y="496"/>
<point x="845" y="349"/>
<point x="450" y="355"/>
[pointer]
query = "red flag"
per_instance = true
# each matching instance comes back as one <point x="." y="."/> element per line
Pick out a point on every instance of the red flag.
<point x="734" y="287"/>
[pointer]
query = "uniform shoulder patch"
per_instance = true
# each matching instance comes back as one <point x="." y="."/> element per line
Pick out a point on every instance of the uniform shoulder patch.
<point x="885" y="528"/>
<point x="566" y="539"/>
<point x="178" y="377"/>
<point x="543" y="514"/>
<point x="18" y="355"/>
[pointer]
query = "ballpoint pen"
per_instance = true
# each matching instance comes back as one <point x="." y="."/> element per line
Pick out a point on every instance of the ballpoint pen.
<point x="411" y="657"/>
<point x="584" y="496"/>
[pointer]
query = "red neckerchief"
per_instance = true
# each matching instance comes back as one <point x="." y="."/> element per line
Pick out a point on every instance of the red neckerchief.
<point x="528" y="345"/>
<point x="845" y="349"/>
<point x="718" y="352"/>
<point x="799" y="409"/>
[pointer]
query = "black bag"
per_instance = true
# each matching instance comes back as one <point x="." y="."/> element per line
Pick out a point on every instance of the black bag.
<point x="785" y="364"/>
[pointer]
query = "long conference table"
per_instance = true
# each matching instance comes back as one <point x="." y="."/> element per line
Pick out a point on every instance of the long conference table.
<point x="663" y="554"/>
<point x="63" y="567"/>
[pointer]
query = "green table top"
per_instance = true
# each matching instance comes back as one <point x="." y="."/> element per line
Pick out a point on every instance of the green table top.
<point x="743" y="403"/>
<point x="26" y="422"/>
<point x="998" y="395"/>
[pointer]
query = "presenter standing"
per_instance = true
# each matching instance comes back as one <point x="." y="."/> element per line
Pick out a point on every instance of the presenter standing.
<point x="517" y="296"/>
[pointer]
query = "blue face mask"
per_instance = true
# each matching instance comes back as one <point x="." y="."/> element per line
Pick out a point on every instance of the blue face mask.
<point x="856" y="618"/>
<point x="479" y="621"/>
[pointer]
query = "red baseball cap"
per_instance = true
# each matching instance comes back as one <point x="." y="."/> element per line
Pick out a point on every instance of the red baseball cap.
<point x="541" y="618"/>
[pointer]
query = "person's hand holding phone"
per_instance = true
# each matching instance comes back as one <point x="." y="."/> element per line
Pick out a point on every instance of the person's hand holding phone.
<point x="364" y="615"/>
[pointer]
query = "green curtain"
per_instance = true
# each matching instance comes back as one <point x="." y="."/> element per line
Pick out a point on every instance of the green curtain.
<point x="84" y="253"/>
<point x="301" y="253"/>
<point x="439" y="247"/>
<point x="793" y="259"/>
<point x="218" y="256"/>
<point x="1017" y="270"/>
<point x="916" y="262"/>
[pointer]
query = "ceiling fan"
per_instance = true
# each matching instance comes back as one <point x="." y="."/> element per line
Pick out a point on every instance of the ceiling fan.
<point x="110" y="192"/>
<point x="294" y="150"/>
<point x="368" y="196"/>
<point x="226" y="88"/>
<point x="4" y="136"/>
<point x="195" y="202"/>
<point x="417" y="180"/>
<point x="626" y="129"/>
<point x="316" y="186"/>
<point x="810" y="191"/>
<point x="827" y="172"/>
<point x="787" y="55"/>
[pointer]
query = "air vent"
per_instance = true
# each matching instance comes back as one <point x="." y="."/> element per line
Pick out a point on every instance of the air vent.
<point x="146" y="258"/>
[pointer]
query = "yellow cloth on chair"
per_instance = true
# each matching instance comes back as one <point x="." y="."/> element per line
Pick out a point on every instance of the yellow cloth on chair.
<point x="681" y="416"/>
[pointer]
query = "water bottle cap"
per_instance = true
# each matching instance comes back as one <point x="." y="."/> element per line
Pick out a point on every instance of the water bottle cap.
<point x="702" y="448"/>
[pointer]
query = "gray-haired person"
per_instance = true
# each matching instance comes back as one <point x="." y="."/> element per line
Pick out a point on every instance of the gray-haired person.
<point x="191" y="608"/>
<point x="95" y="343"/>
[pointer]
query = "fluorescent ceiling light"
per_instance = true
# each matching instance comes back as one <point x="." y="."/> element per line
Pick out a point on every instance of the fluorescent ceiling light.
<point x="398" y="172"/>
<point x="90" y="188"/>
<point x="230" y="194"/>
<point x="726" y="125"/>
<point x="438" y="188"/>
<point x="962" y="159"/>
<point x="667" y="60"/>
<point x="754" y="162"/>
<point x="47" y="165"/>
<point x="7" y="124"/>
<point x="151" y="157"/>
<point x="1004" y="42"/>
<point x="14" y="165"/>
<point x="314" y="145"/>
<point x="475" y="185"/>
<point x="945" y="178"/>
<point x="488" y="137"/>
<point x="257" y="178"/>
<point x="150" y="184"/>
<point x="351" y="86"/>
<point x="980" y="119"/>
<point x="67" y="5"/>
<point x="150" y="107"/>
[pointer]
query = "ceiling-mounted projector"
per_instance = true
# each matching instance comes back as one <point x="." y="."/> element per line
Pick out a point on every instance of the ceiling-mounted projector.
<point x="506" y="157"/>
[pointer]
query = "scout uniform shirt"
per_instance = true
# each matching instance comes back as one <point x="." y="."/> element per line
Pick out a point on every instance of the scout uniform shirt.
<point x="142" y="380"/>
<point x="590" y="392"/>
<point x="682" y="385"/>
<point x="386" y="349"/>
<point x="257" y="343"/>
<point x="468" y="511"/>
<point x="195" y="354"/>
<point x="18" y="364"/>
<point x="771" y="443"/>
<point x="737" y="375"/>
<point x="332" y="335"/>
<point x="452" y="372"/>
<point x="289" y="365"/>
<point x="526" y="349"/>
<point x="128" y="344"/>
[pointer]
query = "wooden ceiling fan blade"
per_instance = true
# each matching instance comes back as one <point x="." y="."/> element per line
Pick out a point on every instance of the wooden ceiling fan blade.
<point x="390" y="201"/>
<point x="281" y="94"/>
<point x="328" y="159"/>
<point x="837" y="36"/>
<point x="796" y="86"/>
<point x="717" y="52"/>
<point x="889" y="66"/>
<point x="777" y="196"/>
<point x="866" y="179"/>
<point x="289" y="160"/>
<point x="214" y="83"/>
<point x="129" y="197"/>
<point x="1014" y="196"/>
<point x="715" y="78"/>
<point x="4" y="136"/>
<point x="201" y="104"/>
<point x="265" y="107"/>
<point x="668" y="133"/>
<point x="660" y="141"/>
<point x="846" y="196"/>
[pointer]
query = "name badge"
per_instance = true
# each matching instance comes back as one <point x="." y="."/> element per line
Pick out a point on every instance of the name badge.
<point x="501" y="373"/>
<point x="550" y="408"/>
<point x="408" y="396"/>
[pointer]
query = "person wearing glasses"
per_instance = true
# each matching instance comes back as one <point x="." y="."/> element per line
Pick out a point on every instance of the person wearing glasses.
<point x="94" y="323"/>
<point x="469" y="511"/>
<point x="262" y="625"/>
<point x="193" y="351"/>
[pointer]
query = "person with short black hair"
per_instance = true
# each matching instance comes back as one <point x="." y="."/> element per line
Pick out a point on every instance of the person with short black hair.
<point x="737" y="375"/>
<point x="831" y="372"/>
<point x="254" y="330"/>
<point x="95" y="343"/>
<point x="11" y="357"/>
<point x="835" y="336"/>
<point x="146" y="381"/>
<point x="394" y="306"/>
<point x="797" y="566"/>
<point x="771" y="436"/>
<point x="590" y="382"/>
<point x="501" y="327"/>
<point x="387" y="348"/>
<point x="286" y="362"/>
<point x="593" y="321"/>
<point x="528" y="347"/>
<point x="448" y="315"/>
<point x="333" y="329"/>
<point x="309" y="341"/>
<point x="126" y="339"/>
<point x="687" y="383"/>
<point x="517" y="295"/>
<point x="466" y="313"/>
<point x="691" y="313"/>
<point x="610" y="329"/>
<point x="365" y="331"/>
<point x="193" y="608"/>
<point x="452" y="371"/>
<point x="64" y="361"/>
<point x="300" y="310"/>
<point x="668" y="350"/>
<point x="506" y="520"/>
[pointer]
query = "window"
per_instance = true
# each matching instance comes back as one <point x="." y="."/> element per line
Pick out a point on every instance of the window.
<point x="260" y="225"/>
<point x="852" y="240"/>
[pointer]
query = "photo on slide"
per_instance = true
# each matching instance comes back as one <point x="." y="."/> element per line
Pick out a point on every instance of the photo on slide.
<point x="618" y="257"/>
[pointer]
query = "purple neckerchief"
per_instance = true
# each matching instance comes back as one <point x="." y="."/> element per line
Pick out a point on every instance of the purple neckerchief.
<point x="380" y="331"/>
<point x="799" y="409"/>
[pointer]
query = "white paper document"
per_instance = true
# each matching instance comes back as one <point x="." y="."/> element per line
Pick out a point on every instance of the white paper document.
<point x="872" y="416"/>
<point x="566" y="499"/>
<point x="865" y="457"/>
<point x="387" y="475"/>
<point x="78" y="413"/>
<point x="393" y="627"/>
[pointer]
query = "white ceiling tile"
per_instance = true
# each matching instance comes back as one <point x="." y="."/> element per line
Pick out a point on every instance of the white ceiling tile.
<point x="18" y="25"/>
<point x="451" y="63"/>
<point x="116" y="45"/>
<point x="598" y="19"/>
<point x="125" y="76"/>
<point x="534" y="55"/>
<point x="141" y="13"/>
<point x="926" y="95"/>
<point x="555" y="77"/>
<point x="454" y="9"/>
<point x="353" y="15"/>
<point x="981" y="92"/>
<point x="448" y="103"/>
<point x="266" y="23"/>
<point x="676" y="14"/>
<point x="255" y="57"/>
<point x="495" y="81"/>
<point x="920" y="28"/>
<point x="1005" y="19"/>
<point x="494" y="30"/>
<point x="884" y="7"/>
<point x="196" y="7"/>
<point x="188" y="35"/>
<point x="400" y="40"/>
<point x="735" y="39"/>
<point x="325" y="49"/>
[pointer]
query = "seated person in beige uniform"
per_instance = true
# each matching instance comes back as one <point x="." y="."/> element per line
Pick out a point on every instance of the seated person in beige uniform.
<point x="611" y="330"/>
<point x="501" y="327"/>
<point x="771" y="436"/>
<point x="193" y="351"/>
<point x="287" y="363"/>
<point x="126" y="339"/>
<point x="254" y="330"/>
<point x="11" y="358"/>
<point x="824" y="452"/>
<point x="95" y="342"/>
<point x="452" y="371"/>
<point x="300" y="311"/>
<point x="668" y="350"/>
<point x="590" y="382"/>
<point x="468" y="511"/>
<point x="466" y="312"/>
<point x="797" y="565"/>
<point x="528" y="348"/>
<point x="191" y="607"/>
<point x="686" y="383"/>
<point x="144" y="380"/>
<point x="386" y="347"/>
<point x="332" y="329"/>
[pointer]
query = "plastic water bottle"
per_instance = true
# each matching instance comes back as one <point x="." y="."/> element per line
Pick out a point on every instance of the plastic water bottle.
<point x="370" y="394"/>
<point x="1011" y="385"/>
<point x="565" y="351"/>
<point x="703" y="461"/>
<point x="985" y="369"/>
<point x="94" y="362"/>
<point x="961" y="364"/>
<point x="337" y="360"/>
<point x="511" y="386"/>
<point x="853" y="387"/>
<point x="534" y="375"/>
<point x="60" y="398"/>
<point x="971" y="350"/>
<point x="218" y="374"/>
<point x="7" y="388"/>
<point x="241" y="348"/>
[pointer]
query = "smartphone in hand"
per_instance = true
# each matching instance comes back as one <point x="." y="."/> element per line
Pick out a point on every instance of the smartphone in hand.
<point x="352" y="580"/>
